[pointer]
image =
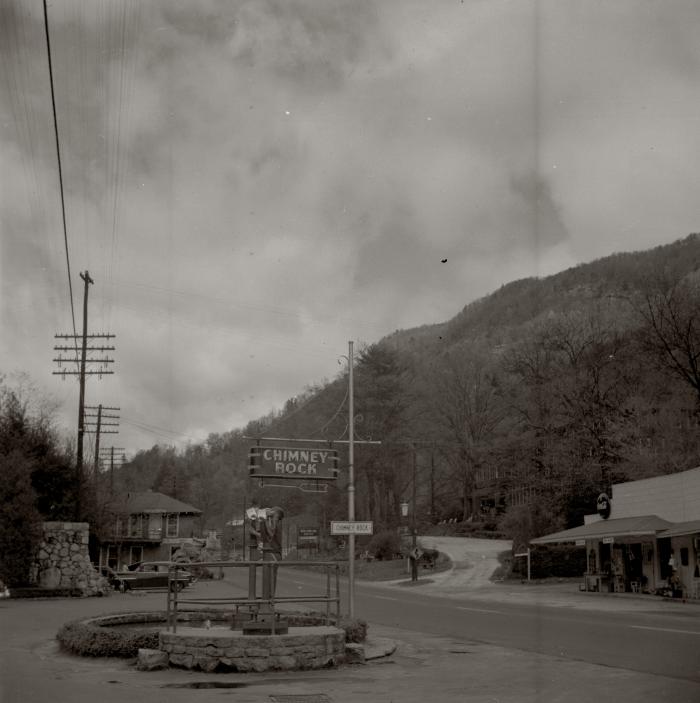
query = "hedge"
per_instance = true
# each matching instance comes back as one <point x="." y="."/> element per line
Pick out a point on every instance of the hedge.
<point x="94" y="637"/>
<point x="560" y="561"/>
<point x="38" y="592"/>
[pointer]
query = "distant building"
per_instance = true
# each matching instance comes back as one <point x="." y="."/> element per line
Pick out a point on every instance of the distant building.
<point x="496" y="489"/>
<point x="645" y="537"/>
<point x="149" y="526"/>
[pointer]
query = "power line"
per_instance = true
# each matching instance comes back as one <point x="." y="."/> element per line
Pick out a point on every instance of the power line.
<point x="158" y="431"/>
<point x="60" y="173"/>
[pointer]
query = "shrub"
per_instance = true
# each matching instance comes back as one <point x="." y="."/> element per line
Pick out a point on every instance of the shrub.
<point x="91" y="640"/>
<point x="560" y="561"/>
<point x="384" y="545"/>
<point x="39" y="592"/>
<point x="20" y="522"/>
<point x="523" y="522"/>
<point x="94" y="637"/>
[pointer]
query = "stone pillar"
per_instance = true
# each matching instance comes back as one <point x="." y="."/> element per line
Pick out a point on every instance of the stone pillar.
<point x="63" y="560"/>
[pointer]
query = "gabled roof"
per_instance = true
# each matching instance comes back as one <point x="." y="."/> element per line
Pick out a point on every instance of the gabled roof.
<point x="620" y="527"/>
<point x="154" y="502"/>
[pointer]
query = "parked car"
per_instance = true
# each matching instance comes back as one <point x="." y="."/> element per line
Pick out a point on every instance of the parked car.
<point x="151" y="574"/>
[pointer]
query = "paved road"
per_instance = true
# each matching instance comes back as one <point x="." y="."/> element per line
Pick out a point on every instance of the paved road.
<point x="648" y="639"/>
<point x="498" y="644"/>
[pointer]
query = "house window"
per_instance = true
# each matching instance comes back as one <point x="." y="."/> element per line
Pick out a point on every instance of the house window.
<point x="119" y="527"/>
<point x="135" y="526"/>
<point x="172" y="525"/>
<point x="684" y="556"/>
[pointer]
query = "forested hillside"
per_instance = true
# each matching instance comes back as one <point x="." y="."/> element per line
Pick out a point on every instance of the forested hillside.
<point x="517" y="412"/>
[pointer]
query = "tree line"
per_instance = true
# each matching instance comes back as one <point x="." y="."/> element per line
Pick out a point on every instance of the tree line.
<point x="513" y="416"/>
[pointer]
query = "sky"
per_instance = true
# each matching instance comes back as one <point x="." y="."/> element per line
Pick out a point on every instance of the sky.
<point x="253" y="184"/>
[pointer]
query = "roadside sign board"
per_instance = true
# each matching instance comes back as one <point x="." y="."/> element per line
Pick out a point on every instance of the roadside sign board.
<point x="307" y="537"/>
<point x="351" y="528"/>
<point x="293" y="463"/>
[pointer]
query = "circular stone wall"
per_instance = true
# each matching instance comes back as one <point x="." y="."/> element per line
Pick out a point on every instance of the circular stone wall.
<point x="223" y="649"/>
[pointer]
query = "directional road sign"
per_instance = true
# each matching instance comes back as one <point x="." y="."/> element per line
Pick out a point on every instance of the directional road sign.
<point x="351" y="528"/>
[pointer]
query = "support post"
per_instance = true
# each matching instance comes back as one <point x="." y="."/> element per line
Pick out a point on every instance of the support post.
<point x="81" y="402"/>
<point x="351" y="485"/>
<point x="414" y="545"/>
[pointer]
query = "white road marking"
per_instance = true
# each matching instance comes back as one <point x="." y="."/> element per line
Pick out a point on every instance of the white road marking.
<point x="385" y="598"/>
<point x="664" y="629"/>
<point x="480" y="610"/>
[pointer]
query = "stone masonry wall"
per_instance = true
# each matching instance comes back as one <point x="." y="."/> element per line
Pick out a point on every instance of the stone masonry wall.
<point x="224" y="649"/>
<point x="63" y="560"/>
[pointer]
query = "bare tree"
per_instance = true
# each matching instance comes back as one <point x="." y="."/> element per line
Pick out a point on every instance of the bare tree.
<point x="672" y="330"/>
<point x="468" y="407"/>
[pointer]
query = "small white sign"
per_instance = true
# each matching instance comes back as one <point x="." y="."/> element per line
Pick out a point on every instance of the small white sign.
<point x="580" y="542"/>
<point x="351" y="528"/>
<point x="608" y="540"/>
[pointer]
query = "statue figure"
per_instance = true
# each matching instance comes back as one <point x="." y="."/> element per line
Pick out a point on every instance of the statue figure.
<point x="266" y="533"/>
<point x="266" y="529"/>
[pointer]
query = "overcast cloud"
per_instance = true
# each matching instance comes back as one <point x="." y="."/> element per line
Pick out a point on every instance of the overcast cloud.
<point x="253" y="184"/>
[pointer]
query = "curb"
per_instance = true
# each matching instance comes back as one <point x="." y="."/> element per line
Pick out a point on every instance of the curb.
<point x="378" y="647"/>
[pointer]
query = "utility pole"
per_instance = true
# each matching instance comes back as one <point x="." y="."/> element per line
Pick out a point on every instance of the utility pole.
<point x="82" y="372"/>
<point x="432" y="483"/>
<point x="83" y="358"/>
<point x="107" y="455"/>
<point x="414" y="546"/>
<point x="97" y="426"/>
<point x="351" y="485"/>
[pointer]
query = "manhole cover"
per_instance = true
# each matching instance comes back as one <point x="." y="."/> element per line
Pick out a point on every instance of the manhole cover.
<point x="307" y="698"/>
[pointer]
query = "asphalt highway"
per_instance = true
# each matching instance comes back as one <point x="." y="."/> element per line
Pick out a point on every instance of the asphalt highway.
<point x="447" y="650"/>
<point x="667" y="644"/>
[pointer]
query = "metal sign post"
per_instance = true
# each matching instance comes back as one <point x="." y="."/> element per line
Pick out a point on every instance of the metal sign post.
<point x="525" y="554"/>
<point x="351" y="486"/>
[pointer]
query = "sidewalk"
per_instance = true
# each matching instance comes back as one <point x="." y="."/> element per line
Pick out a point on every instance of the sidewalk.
<point x="565" y="594"/>
<point x="475" y="560"/>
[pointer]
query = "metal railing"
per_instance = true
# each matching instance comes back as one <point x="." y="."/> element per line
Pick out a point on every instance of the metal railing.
<point x="255" y="603"/>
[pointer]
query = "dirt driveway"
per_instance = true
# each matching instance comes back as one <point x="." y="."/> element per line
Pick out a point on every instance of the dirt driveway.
<point x="473" y="563"/>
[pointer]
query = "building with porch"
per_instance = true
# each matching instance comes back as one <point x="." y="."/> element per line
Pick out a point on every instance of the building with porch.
<point x="149" y="526"/>
<point x="645" y="537"/>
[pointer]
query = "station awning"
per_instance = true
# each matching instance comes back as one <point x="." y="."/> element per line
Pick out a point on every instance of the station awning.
<point x="643" y="525"/>
<point x="682" y="528"/>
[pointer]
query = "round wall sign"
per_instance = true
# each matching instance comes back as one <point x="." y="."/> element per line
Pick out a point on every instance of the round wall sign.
<point x="603" y="506"/>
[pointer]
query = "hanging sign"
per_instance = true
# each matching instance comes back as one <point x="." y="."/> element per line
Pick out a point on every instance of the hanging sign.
<point x="603" y="506"/>
<point x="294" y="463"/>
